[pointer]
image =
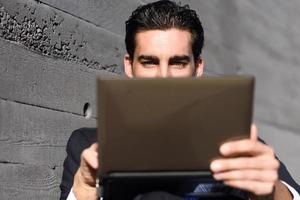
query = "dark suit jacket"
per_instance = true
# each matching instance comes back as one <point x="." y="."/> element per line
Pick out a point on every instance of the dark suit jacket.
<point x="84" y="137"/>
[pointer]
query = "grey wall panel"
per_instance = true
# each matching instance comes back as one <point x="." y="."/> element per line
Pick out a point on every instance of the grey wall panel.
<point x="33" y="135"/>
<point x="54" y="33"/>
<point x="277" y="99"/>
<point x="32" y="146"/>
<point x="269" y="50"/>
<point x="108" y="14"/>
<point x="51" y="83"/>
<point x="27" y="182"/>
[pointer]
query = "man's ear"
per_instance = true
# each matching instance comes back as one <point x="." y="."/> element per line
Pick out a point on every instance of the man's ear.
<point x="199" y="67"/>
<point x="128" y="66"/>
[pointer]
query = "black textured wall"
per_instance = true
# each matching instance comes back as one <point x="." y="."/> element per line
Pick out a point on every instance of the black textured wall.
<point x="52" y="50"/>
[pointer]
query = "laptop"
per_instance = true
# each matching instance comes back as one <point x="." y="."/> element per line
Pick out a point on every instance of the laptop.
<point x="169" y="127"/>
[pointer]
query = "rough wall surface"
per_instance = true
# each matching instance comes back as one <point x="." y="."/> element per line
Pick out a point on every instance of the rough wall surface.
<point x="52" y="50"/>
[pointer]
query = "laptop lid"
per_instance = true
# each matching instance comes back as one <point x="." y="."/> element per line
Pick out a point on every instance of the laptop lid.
<point x="158" y="125"/>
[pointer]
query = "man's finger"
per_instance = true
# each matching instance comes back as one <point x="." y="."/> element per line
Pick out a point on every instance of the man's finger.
<point x="90" y="156"/>
<point x="258" y="163"/>
<point x="94" y="147"/>
<point x="254" y="133"/>
<point x="248" y="174"/>
<point x="245" y="147"/>
<point x="255" y="187"/>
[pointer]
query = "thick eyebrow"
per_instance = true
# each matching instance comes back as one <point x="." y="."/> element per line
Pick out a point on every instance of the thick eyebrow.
<point x="183" y="58"/>
<point x="145" y="57"/>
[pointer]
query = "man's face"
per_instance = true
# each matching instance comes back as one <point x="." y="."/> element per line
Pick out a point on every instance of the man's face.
<point x="160" y="53"/>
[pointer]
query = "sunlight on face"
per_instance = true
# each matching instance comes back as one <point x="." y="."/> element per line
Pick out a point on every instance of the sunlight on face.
<point x="162" y="53"/>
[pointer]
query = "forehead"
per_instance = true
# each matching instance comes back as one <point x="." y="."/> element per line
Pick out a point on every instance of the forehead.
<point x="163" y="42"/>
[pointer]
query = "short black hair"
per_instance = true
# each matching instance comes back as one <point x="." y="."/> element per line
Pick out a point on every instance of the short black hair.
<point x="163" y="15"/>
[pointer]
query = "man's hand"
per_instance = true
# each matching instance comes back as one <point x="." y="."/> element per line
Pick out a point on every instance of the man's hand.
<point x="84" y="186"/>
<point x="248" y="165"/>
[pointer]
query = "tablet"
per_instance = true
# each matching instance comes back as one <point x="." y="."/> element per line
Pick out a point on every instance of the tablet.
<point x="169" y="125"/>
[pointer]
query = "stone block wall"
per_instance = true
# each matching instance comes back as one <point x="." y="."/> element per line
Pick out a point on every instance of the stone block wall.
<point x="51" y="52"/>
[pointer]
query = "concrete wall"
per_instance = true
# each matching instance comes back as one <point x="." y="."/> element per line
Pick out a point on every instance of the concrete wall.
<point x="52" y="50"/>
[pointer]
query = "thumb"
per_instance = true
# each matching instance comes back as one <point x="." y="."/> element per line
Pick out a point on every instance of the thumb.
<point x="89" y="157"/>
<point x="253" y="134"/>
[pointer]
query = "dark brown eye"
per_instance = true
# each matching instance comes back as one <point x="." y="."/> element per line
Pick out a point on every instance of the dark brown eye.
<point x="179" y="65"/>
<point x="149" y="64"/>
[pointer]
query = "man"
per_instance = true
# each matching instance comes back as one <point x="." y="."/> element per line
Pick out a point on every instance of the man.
<point x="164" y="39"/>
